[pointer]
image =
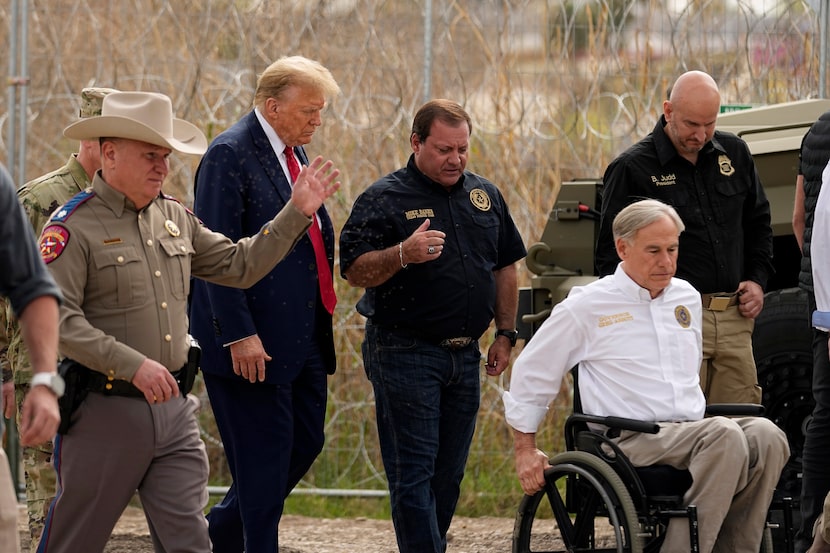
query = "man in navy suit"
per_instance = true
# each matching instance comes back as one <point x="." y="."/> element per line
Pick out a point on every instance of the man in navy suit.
<point x="266" y="350"/>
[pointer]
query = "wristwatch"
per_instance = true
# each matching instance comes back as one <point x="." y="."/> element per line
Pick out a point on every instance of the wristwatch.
<point x="511" y="335"/>
<point x="53" y="381"/>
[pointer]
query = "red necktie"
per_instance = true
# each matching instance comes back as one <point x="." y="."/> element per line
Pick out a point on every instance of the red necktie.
<point x="323" y="271"/>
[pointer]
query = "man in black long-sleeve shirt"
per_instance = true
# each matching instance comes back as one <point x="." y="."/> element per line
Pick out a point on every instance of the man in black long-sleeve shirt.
<point x="709" y="177"/>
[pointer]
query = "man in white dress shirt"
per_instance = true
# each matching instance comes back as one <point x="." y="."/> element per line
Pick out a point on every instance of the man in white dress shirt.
<point x="636" y="336"/>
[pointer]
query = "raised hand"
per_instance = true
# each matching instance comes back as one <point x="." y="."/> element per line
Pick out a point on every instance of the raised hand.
<point x="314" y="184"/>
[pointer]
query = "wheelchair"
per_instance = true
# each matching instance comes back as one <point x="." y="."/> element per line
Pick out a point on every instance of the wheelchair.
<point x="595" y="500"/>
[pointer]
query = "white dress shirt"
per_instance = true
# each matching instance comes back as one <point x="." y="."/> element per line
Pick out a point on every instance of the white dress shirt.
<point x="820" y="254"/>
<point x="639" y="357"/>
<point x="276" y="143"/>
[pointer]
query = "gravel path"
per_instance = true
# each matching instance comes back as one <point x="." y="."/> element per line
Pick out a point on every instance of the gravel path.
<point x="313" y="535"/>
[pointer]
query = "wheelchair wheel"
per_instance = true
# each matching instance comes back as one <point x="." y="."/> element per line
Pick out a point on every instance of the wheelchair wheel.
<point x="583" y="507"/>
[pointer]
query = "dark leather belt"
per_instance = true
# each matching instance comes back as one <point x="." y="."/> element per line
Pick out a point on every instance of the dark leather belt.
<point x="103" y="384"/>
<point x="456" y="343"/>
<point x="718" y="302"/>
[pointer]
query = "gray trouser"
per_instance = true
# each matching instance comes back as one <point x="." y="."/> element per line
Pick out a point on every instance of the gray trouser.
<point x="118" y="445"/>
<point x="735" y="465"/>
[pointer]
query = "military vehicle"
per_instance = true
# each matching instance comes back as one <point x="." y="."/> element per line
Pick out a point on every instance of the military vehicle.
<point x="564" y="257"/>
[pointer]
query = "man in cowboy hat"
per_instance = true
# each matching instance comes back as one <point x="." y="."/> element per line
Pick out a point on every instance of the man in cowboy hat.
<point x="123" y="254"/>
<point x="40" y="197"/>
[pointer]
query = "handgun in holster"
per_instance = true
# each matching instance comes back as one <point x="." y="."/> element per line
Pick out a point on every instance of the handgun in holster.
<point x="188" y="373"/>
<point x="76" y="377"/>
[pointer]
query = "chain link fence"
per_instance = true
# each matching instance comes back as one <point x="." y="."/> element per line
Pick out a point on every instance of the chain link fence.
<point x="556" y="88"/>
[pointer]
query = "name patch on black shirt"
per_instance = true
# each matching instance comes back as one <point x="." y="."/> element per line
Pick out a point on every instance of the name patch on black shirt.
<point x="664" y="180"/>
<point x="419" y="214"/>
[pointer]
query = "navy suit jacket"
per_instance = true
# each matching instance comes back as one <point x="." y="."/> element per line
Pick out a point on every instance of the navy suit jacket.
<point x="240" y="186"/>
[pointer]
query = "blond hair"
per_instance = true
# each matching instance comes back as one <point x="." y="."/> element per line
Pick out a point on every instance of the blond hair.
<point x="292" y="71"/>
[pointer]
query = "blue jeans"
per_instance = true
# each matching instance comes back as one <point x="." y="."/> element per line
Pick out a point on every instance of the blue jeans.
<point x="426" y="399"/>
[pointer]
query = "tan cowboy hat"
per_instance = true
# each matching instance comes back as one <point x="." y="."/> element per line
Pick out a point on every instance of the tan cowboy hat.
<point x="143" y="116"/>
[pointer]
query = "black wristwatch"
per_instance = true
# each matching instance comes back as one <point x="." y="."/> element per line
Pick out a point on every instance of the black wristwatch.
<point x="511" y="335"/>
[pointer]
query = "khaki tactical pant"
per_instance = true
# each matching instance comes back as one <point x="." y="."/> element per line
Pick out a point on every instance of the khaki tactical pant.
<point x="735" y="465"/>
<point x="727" y="373"/>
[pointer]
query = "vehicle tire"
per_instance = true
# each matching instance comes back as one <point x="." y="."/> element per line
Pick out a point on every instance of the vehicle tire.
<point x="783" y="350"/>
<point x="583" y="507"/>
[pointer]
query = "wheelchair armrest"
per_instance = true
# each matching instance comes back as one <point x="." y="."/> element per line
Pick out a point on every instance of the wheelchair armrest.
<point x="735" y="409"/>
<point x="618" y="422"/>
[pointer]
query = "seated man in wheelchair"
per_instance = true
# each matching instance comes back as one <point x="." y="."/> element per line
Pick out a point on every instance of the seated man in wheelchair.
<point x="636" y="336"/>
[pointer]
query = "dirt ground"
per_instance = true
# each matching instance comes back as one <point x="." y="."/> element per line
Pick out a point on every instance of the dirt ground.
<point x="313" y="535"/>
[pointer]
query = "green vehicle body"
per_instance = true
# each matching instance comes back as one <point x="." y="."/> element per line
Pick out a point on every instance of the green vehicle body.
<point x="563" y="258"/>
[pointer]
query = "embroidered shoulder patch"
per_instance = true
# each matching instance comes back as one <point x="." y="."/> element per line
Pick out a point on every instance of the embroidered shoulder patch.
<point x="53" y="241"/>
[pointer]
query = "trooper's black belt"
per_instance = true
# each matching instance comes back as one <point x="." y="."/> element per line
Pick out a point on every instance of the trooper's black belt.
<point x="103" y="384"/>
<point x="81" y="380"/>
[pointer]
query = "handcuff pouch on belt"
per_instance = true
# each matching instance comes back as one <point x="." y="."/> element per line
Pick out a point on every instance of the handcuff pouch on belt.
<point x="76" y="378"/>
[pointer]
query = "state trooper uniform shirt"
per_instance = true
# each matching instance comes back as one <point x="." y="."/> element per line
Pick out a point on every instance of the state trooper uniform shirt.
<point x="454" y="295"/>
<point x="125" y="274"/>
<point x="720" y="199"/>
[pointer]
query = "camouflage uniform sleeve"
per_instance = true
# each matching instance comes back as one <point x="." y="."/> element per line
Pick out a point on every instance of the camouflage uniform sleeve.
<point x="37" y="213"/>
<point x="5" y="368"/>
<point x="17" y="358"/>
